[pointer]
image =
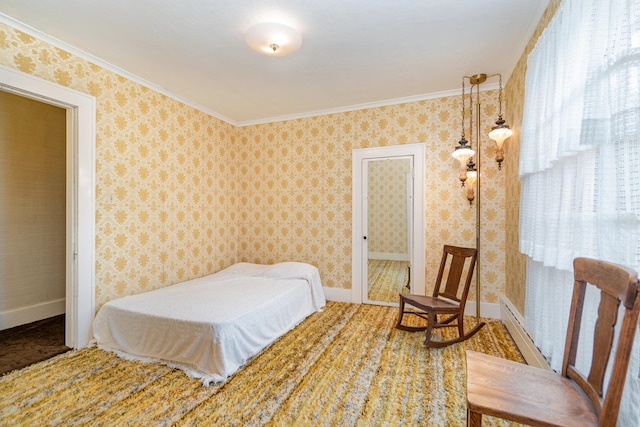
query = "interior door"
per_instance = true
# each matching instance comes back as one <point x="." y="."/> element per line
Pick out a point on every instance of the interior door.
<point x="388" y="223"/>
<point x="387" y="204"/>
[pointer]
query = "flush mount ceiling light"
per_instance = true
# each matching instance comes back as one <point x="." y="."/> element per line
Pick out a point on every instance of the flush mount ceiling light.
<point x="273" y="39"/>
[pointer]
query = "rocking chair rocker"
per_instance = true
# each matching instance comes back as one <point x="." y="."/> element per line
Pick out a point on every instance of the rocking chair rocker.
<point x="445" y="301"/>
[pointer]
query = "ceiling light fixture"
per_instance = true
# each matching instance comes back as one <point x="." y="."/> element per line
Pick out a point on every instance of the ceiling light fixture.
<point x="273" y="39"/>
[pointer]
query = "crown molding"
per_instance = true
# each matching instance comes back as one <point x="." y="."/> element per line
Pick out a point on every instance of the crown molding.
<point x="20" y="26"/>
<point x="115" y="69"/>
<point x="364" y="106"/>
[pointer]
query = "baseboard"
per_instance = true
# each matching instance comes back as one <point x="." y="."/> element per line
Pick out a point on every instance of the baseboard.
<point x="489" y="310"/>
<point x="515" y="325"/>
<point x="337" y="294"/>
<point x="23" y="315"/>
<point x="391" y="257"/>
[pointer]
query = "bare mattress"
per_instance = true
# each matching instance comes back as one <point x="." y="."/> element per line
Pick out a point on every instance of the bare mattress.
<point x="210" y="326"/>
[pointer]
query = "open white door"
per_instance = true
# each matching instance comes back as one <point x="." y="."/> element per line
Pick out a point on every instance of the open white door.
<point x="408" y="161"/>
<point x="80" y="248"/>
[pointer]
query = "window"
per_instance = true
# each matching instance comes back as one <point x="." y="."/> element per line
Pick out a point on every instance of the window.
<point x="580" y="164"/>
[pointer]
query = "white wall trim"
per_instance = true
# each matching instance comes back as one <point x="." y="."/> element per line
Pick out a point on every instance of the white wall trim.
<point x="81" y="184"/>
<point x="488" y="310"/>
<point x="337" y="294"/>
<point x="12" y="22"/>
<point x="32" y="313"/>
<point x="364" y="106"/>
<point x="358" y="228"/>
<point x="514" y="322"/>
<point x="391" y="257"/>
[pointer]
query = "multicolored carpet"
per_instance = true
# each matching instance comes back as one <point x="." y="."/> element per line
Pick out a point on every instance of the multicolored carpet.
<point x="386" y="278"/>
<point x="345" y="366"/>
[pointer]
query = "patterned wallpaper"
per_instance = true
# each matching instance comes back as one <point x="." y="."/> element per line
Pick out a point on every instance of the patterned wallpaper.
<point x="515" y="288"/>
<point x="166" y="196"/>
<point x="181" y="194"/>
<point x="387" y="207"/>
<point x="296" y="192"/>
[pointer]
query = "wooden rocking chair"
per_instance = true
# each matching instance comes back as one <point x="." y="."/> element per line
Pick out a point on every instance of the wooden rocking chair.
<point x="539" y="397"/>
<point x="446" y="301"/>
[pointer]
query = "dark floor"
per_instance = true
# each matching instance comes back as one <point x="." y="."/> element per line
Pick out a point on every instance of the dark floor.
<point x="27" y="344"/>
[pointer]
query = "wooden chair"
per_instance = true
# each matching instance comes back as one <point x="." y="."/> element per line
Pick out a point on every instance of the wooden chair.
<point x="540" y="397"/>
<point x="448" y="300"/>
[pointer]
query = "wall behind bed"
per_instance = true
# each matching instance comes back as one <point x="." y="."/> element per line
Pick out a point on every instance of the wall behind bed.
<point x="296" y="193"/>
<point x="181" y="194"/>
<point x="166" y="180"/>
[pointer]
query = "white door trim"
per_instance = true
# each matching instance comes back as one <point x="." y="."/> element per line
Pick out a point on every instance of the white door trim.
<point x="359" y="223"/>
<point x="80" y="250"/>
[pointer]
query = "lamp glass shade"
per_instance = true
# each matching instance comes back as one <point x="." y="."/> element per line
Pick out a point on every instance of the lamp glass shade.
<point x="462" y="154"/>
<point x="500" y="134"/>
<point x="472" y="176"/>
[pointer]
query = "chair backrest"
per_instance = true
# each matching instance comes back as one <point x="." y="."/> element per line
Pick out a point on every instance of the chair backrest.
<point x="617" y="285"/>
<point x="460" y="258"/>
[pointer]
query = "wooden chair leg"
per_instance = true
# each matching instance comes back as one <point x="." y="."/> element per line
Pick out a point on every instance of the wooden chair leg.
<point x="431" y="320"/>
<point x="400" y="315"/>
<point x="474" y="419"/>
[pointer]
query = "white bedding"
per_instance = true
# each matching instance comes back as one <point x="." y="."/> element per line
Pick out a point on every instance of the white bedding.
<point x="212" y="325"/>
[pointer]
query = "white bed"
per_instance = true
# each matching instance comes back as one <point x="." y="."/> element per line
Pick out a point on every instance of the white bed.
<point x="212" y="325"/>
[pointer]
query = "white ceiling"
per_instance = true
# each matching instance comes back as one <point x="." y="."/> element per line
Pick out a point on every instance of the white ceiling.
<point x="354" y="54"/>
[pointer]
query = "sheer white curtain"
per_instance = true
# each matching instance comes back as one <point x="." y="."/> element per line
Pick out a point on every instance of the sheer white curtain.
<point x="580" y="165"/>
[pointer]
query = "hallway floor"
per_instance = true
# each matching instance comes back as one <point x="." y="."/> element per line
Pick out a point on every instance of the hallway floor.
<point x="23" y="345"/>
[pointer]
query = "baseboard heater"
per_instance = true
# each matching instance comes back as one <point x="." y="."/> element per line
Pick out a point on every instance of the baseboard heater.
<point x="515" y="325"/>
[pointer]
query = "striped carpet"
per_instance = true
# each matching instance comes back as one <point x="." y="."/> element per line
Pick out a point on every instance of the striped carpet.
<point x="386" y="278"/>
<point x="345" y="366"/>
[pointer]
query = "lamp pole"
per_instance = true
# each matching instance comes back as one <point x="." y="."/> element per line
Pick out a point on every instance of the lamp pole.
<point x="476" y="80"/>
<point x="463" y="153"/>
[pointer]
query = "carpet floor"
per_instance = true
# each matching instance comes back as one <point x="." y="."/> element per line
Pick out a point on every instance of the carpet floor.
<point x="387" y="278"/>
<point x="26" y="344"/>
<point x="344" y="366"/>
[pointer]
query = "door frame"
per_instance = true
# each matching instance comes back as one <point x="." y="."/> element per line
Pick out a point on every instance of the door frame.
<point x="359" y="223"/>
<point x="80" y="188"/>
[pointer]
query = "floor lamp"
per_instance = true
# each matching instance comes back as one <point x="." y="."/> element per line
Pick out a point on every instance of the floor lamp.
<point x="470" y="175"/>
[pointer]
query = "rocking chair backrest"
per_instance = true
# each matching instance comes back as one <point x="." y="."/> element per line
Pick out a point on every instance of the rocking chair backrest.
<point x="460" y="258"/>
<point x="617" y="285"/>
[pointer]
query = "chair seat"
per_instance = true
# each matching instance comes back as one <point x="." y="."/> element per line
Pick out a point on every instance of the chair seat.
<point x="526" y="394"/>
<point x="448" y="300"/>
<point x="430" y="303"/>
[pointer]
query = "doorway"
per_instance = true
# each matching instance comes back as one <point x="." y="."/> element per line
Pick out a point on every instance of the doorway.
<point x="80" y="113"/>
<point x="32" y="211"/>
<point x="388" y="223"/>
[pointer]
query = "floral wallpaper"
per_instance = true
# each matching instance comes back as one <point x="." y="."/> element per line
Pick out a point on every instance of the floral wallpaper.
<point x="181" y="194"/>
<point x="388" y="208"/>
<point x="166" y="205"/>
<point x="296" y="195"/>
